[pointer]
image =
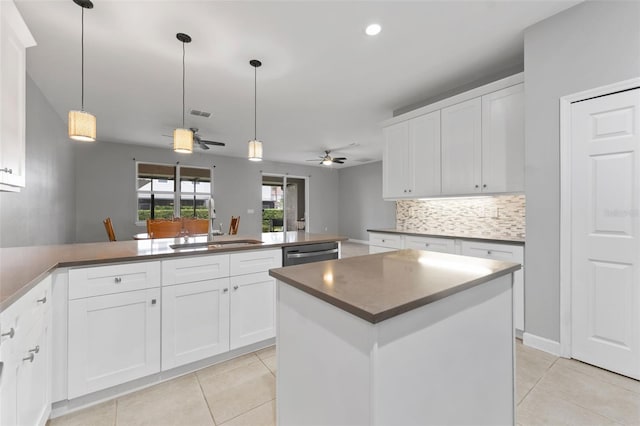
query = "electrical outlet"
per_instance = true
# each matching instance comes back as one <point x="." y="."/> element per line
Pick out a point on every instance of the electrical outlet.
<point x="250" y="211"/>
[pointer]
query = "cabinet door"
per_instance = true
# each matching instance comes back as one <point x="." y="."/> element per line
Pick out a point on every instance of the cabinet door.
<point x="113" y="339"/>
<point x="253" y="301"/>
<point x="462" y="148"/>
<point x="14" y="39"/>
<point x="503" y="140"/>
<point x="509" y="253"/>
<point x="396" y="167"/>
<point x="33" y="387"/>
<point x="424" y="155"/>
<point x="195" y="321"/>
<point x="443" y="245"/>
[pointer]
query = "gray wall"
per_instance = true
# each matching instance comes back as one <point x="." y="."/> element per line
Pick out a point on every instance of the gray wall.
<point x="589" y="45"/>
<point x="360" y="201"/>
<point x="105" y="174"/>
<point x="44" y="212"/>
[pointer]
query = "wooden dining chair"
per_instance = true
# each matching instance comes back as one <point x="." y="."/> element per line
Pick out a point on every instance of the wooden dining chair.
<point x="233" y="226"/>
<point x="195" y="226"/>
<point x="108" y="226"/>
<point x="164" y="228"/>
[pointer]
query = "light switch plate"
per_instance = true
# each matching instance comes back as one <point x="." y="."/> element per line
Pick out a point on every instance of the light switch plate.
<point x="250" y="211"/>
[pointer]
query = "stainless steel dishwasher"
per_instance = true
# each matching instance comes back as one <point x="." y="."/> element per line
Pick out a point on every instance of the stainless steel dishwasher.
<point x="307" y="253"/>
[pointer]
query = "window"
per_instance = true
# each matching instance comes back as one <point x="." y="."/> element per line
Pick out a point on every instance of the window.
<point x="159" y="197"/>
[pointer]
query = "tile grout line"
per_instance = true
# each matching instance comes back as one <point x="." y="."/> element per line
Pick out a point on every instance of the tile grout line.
<point x="242" y="414"/>
<point x="537" y="381"/>
<point x="115" y="417"/>
<point x="206" y="401"/>
<point x="575" y="403"/>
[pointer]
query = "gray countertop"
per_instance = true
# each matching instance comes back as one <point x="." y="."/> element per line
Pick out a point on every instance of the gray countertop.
<point x="487" y="238"/>
<point x="23" y="267"/>
<point x="380" y="286"/>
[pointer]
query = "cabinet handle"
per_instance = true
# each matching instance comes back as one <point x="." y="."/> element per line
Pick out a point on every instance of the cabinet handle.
<point x="235" y="287"/>
<point x="409" y="190"/>
<point x="35" y="350"/>
<point x="7" y="170"/>
<point x="118" y="280"/>
<point x="9" y="333"/>
<point x="153" y="301"/>
<point x="43" y="300"/>
<point x="225" y="290"/>
<point x="426" y="244"/>
<point x="29" y="357"/>
<point x="383" y="241"/>
<point x="488" y="252"/>
<point x="484" y="186"/>
<point x="477" y="186"/>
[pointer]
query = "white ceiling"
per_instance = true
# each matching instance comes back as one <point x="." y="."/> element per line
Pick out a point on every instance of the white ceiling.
<point x="323" y="84"/>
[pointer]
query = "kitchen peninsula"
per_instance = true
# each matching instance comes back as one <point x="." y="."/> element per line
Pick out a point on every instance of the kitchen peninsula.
<point x="404" y="337"/>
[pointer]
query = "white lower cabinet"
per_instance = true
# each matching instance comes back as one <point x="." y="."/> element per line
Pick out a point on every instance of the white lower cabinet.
<point x="195" y="321"/>
<point x="113" y="338"/>
<point x="25" y="354"/>
<point x="510" y="253"/>
<point x="443" y="245"/>
<point x="253" y="315"/>
<point x="381" y="242"/>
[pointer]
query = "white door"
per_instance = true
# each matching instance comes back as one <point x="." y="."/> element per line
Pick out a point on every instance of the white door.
<point x="424" y="154"/>
<point x="253" y="313"/>
<point x="462" y="148"/>
<point x="113" y="339"/>
<point x="605" y="248"/>
<point x="195" y="321"/>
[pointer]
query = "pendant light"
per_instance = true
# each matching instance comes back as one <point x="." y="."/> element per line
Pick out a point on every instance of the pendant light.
<point x="255" y="146"/>
<point x="183" y="138"/>
<point x="82" y="125"/>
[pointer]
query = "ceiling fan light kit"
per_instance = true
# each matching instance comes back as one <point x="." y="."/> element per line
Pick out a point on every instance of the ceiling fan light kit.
<point x="82" y="124"/>
<point x="255" y="146"/>
<point x="183" y="138"/>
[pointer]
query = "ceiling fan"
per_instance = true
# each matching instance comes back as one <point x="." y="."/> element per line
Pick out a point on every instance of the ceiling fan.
<point x="202" y="143"/>
<point x="328" y="160"/>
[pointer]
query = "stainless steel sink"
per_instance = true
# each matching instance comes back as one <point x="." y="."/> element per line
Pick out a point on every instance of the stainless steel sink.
<point x="215" y="244"/>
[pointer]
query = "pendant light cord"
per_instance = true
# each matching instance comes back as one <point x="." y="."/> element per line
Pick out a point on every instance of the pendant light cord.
<point x="255" y="103"/>
<point x="82" y="60"/>
<point x="183" y="55"/>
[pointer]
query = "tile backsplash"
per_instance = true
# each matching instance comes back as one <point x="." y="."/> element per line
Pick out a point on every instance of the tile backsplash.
<point x="501" y="216"/>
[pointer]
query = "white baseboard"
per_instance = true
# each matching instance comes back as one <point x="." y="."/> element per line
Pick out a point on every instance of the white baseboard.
<point x="351" y="240"/>
<point x="541" y="343"/>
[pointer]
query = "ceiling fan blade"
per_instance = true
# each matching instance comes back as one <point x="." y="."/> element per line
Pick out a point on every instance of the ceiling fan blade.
<point x="339" y="158"/>
<point x="203" y="146"/>
<point x="212" y="142"/>
<point x="338" y="161"/>
<point x="168" y="136"/>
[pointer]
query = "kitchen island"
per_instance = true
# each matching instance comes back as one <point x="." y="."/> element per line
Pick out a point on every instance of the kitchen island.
<point x="406" y="337"/>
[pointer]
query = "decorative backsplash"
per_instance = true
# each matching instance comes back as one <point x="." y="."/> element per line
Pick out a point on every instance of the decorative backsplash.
<point x="497" y="217"/>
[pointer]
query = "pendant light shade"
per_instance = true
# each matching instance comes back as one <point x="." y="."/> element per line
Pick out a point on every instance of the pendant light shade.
<point x="82" y="125"/>
<point x="255" y="150"/>
<point x="183" y="138"/>
<point x="183" y="141"/>
<point x="255" y="146"/>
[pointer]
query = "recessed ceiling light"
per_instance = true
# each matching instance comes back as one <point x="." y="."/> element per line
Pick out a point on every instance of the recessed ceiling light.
<point x="373" y="29"/>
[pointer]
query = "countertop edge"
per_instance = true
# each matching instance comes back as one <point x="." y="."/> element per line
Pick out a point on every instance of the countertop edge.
<point x="62" y="263"/>
<point x="461" y="237"/>
<point x="375" y="318"/>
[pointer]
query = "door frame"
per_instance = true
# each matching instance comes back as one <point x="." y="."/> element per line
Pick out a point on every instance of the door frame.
<point x="284" y="177"/>
<point x="565" y="200"/>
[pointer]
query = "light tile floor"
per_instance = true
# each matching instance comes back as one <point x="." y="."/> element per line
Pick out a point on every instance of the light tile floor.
<point x="241" y="392"/>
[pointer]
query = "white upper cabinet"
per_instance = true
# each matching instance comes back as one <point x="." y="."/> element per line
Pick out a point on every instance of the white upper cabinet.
<point x="411" y="162"/>
<point x="468" y="144"/>
<point x="15" y="38"/>
<point x="395" y="161"/>
<point x="503" y="140"/>
<point x="462" y="148"/>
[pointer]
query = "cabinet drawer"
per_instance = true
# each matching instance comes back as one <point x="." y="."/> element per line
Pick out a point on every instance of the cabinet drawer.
<point x="385" y="240"/>
<point x="20" y="317"/>
<point x="255" y="261"/>
<point x="510" y="253"/>
<point x="100" y="280"/>
<point x="192" y="269"/>
<point x="443" y="245"/>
